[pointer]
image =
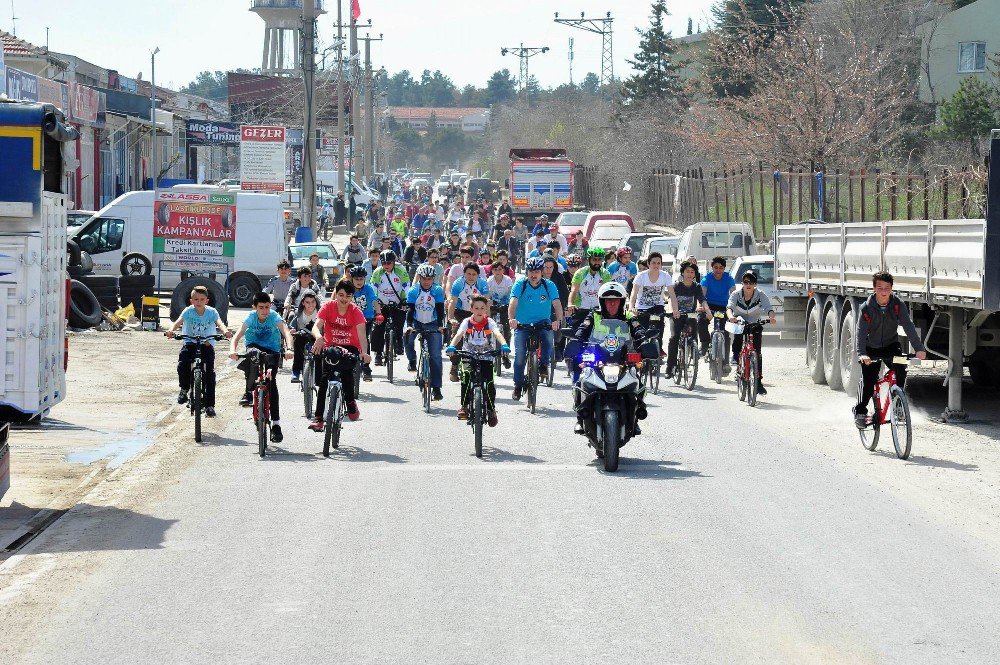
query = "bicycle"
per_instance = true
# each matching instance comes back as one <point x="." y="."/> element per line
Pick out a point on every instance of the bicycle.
<point x="424" y="372"/>
<point x="261" y="397"/>
<point x="336" y="405"/>
<point x="717" y="359"/>
<point x="551" y="376"/>
<point x="686" y="370"/>
<point x="533" y="354"/>
<point x="495" y="315"/>
<point x="649" y="370"/>
<point x="308" y="376"/>
<point x="197" y="391"/>
<point x="389" y="312"/>
<point x="890" y="402"/>
<point x="748" y="368"/>
<point x="477" y="415"/>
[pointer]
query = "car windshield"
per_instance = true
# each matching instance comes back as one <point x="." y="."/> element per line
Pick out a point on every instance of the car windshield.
<point x="572" y="219"/>
<point x="721" y="240"/>
<point x="663" y="247"/>
<point x="305" y="251"/>
<point x="764" y="271"/>
<point x="610" y="232"/>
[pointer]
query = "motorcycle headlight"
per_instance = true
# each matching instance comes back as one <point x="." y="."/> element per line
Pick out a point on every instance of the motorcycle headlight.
<point x="612" y="373"/>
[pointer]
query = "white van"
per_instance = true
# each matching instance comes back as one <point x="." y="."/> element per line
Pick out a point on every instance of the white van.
<point x="707" y="240"/>
<point x="126" y="225"/>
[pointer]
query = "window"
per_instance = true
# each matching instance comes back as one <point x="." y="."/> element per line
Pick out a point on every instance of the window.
<point x="764" y="271"/>
<point x="972" y="57"/>
<point x="722" y="240"/>
<point x="103" y="235"/>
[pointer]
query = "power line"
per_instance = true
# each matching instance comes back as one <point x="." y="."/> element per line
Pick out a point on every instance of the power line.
<point x="602" y="27"/>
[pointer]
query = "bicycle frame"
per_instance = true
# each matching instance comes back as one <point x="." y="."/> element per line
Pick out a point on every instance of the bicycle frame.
<point x="882" y="405"/>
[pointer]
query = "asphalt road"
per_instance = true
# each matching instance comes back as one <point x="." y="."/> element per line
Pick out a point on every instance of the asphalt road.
<point x="718" y="541"/>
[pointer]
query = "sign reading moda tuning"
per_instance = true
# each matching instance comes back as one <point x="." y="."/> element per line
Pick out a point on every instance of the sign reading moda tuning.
<point x="262" y="158"/>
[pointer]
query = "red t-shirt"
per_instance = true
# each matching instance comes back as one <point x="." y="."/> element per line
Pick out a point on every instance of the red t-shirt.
<point x="341" y="329"/>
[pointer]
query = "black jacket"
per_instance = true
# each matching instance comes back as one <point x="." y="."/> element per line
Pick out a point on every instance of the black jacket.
<point x="877" y="327"/>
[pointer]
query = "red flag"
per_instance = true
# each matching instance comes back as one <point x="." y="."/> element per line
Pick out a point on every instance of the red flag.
<point x="355" y="10"/>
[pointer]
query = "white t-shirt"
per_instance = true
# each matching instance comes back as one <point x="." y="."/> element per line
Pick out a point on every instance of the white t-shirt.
<point x="650" y="292"/>
<point x="478" y="339"/>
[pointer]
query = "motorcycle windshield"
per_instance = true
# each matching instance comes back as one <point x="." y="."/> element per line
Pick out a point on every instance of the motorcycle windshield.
<point x="611" y="338"/>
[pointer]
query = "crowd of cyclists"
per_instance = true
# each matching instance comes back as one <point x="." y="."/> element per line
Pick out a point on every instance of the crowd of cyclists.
<point x="474" y="276"/>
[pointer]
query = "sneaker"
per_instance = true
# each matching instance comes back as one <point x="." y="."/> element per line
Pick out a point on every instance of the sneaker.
<point x="463" y="414"/>
<point x="209" y="411"/>
<point x="295" y="378"/>
<point x="379" y="359"/>
<point x="543" y="370"/>
<point x="316" y="425"/>
<point x="578" y="428"/>
<point x="636" y="431"/>
<point x="246" y="400"/>
<point x="453" y="374"/>
<point x="670" y="370"/>
<point x="491" y="419"/>
<point x="760" y="389"/>
<point x="861" y="420"/>
<point x="276" y="436"/>
<point x="412" y="367"/>
<point x="733" y="361"/>
<point x="352" y="411"/>
<point x="436" y="394"/>
<point x="367" y="377"/>
<point x="516" y="395"/>
<point x="182" y="397"/>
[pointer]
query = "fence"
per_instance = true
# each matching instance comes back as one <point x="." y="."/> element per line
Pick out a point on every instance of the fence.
<point x="765" y="197"/>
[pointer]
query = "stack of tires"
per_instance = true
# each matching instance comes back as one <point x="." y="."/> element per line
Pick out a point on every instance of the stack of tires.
<point x="137" y="280"/>
<point x="84" y="307"/>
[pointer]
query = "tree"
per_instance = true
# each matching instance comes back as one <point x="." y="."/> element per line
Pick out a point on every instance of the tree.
<point x="212" y="85"/>
<point x="532" y="90"/>
<point x="656" y="75"/>
<point x="958" y="4"/>
<point x="968" y="114"/>
<point x="502" y="87"/>
<point x="447" y="146"/>
<point x="409" y="141"/>
<point x="690" y="26"/>
<point x="402" y="90"/>
<point x="437" y="89"/>
<point x="591" y="84"/>
<point x="470" y="96"/>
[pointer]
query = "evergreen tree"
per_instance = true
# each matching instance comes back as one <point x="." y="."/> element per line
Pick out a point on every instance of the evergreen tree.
<point x="591" y="84"/>
<point x="656" y="67"/>
<point x="502" y="87"/>
<point x="968" y="114"/>
<point x="690" y="26"/>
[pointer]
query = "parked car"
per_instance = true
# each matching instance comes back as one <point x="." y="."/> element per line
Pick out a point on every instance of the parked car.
<point x="634" y="241"/>
<point x="763" y="265"/>
<point x="78" y="217"/>
<point x="571" y="222"/>
<point x="329" y="258"/>
<point x="706" y="240"/>
<point x="604" y="216"/>
<point x="665" y="245"/>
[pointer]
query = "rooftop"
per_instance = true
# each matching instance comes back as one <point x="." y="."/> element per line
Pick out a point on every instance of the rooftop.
<point x="441" y="113"/>
<point x="13" y="46"/>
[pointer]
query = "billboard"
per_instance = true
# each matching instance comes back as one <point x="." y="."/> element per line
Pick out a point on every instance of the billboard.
<point x="262" y="158"/>
<point x="194" y="228"/>
<point x="209" y="132"/>
<point x="22" y="86"/>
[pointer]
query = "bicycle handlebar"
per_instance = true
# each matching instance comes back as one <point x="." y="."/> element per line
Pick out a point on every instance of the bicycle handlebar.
<point x="198" y="338"/>
<point x="462" y="353"/>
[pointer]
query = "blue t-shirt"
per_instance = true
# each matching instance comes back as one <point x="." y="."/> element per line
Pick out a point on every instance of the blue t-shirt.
<point x="425" y="303"/>
<point x="622" y="274"/>
<point x="717" y="290"/>
<point x="563" y="265"/>
<point x="264" y="334"/>
<point x="365" y="298"/>
<point x="534" y="304"/>
<point x="463" y="292"/>
<point x="199" y="325"/>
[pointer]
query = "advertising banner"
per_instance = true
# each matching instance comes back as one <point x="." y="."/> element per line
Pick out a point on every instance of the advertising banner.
<point x="194" y="229"/>
<point x="209" y="132"/>
<point x="295" y="158"/>
<point x="22" y="86"/>
<point x="329" y="145"/>
<point x="84" y="105"/>
<point x="262" y="158"/>
<point x="53" y="92"/>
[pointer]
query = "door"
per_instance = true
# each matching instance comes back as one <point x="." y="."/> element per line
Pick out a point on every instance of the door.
<point x="103" y="239"/>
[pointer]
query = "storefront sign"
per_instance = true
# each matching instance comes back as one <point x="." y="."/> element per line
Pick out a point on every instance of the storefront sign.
<point x="53" y="92"/>
<point x="207" y="132"/>
<point x="262" y="158"/>
<point x="22" y="86"/>
<point x="84" y="104"/>
<point x="295" y="157"/>
<point x="191" y="228"/>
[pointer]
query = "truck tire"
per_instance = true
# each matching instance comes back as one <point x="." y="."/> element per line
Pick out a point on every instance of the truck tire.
<point x="76" y="272"/>
<point x="72" y="253"/>
<point x="242" y="288"/>
<point x="182" y="292"/>
<point x="831" y="347"/>
<point x="814" y="344"/>
<point x="135" y="263"/>
<point x="133" y="289"/>
<point x="98" y="282"/>
<point x="984" y="367"/>
<point x="850" y="368"/>
<point x="84" y="309"/>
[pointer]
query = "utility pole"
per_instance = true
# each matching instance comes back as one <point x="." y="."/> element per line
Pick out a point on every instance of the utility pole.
<point x="571" y="61"/>
<point x="340" y="96"/>
<point x="355" y="70"/>
<point x="307" y="195"/>
<point x="370" y="106"/>
<point x="524" y="53"/>
<point x="152" y="120"/>
<point x="602" y="27"/>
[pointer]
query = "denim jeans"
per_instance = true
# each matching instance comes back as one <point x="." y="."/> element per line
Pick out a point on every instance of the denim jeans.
<point x="521" y="351"/>
<point x="432" y="333"/>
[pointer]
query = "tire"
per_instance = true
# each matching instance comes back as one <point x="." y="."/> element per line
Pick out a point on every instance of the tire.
<point x="101" y="282"/>
<point x="478" y="416"/>
<point x="76" y="272"/>
<point x="532" y="381"/>
<point x="611" y="439"/>
<point x="691" y="372"/>
<point x="741" y="383"/>
<point x="679" y="365"/>
<point x="551" y="375"/>
<point x="814" y="345"/>
<point x="242" y="288"/>
<point x="196" y="379"/>
<point x="753" y="378"/>
<point x="850" y="368"/>
<point x="137" y="283"/>
<point x="331" y="438"/>
<point x="84" y="308"/>
<point x="135" y="264"/>
<point x="656" y="376"/>
<point x="899" y="422"/>
<point x="260" y="417"/>
<point x="984" y="367"/>
<point x="390" y="351"/>
<point x="72" y="253"/>
<point x="719" y="355"/>
<point x="425" y="382"/>
<point x="831" y="349"/>
<point x="308" y="393"/>
<point x="869" y="435"/>
<point x="182" y="292"/>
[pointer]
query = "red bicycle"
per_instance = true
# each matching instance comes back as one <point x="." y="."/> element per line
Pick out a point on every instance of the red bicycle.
<point x="748" y="367"/>
<point x="891" y="408"/>
<point x="261" y="396"/>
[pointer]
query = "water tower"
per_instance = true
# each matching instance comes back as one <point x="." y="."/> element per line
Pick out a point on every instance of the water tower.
<point x="282" y="21"/>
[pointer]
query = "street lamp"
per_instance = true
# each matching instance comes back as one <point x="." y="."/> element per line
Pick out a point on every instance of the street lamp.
<point x="152" y="118"/>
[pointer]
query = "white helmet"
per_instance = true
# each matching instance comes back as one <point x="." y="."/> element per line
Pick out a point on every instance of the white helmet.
<point x="426" y="270"/>
<point x="611" y="290"/>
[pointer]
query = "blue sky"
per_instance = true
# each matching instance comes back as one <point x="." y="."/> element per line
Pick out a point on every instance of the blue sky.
<point x="462" y="38"/>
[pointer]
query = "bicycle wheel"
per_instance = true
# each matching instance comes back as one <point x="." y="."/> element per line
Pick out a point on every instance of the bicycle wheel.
<point x="680" y="364"/>
<point x="869" y="435"/>
<point x="196" y="392"/>
<point x="390" y="351"/>
<point x="718" y="356"/>
<point x="753" y="380"/>
<point x="741" y="382"/>
<point x="532" y="379"/>
<point x="331" y="437"/>
<point x="899" y="422"/>
<point x="260" y="414"/>
<point x="478" y="416"/>
<point x="551" y="377"/>
<point x="425" y="381"/>
<point x="307" y="388"/>
<point x="691" y="370"/>
<point x="654" y="375"/>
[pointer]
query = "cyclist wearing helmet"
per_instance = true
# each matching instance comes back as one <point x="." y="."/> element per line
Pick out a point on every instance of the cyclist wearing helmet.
<point x="595" y="327"/>
<point x="366" y="298"/>
<point x="586" y="284"/>
<point x="533" y="300"/>
<point x="541" y="224"/>
<point x="471" y="283"/>
<point x="623" y="270"/>
<point x="499" y="286"/>
<point x="390" y="281"/>
<point x="749" y="303"/>
<point x="573" y="263"/>
<point x="426" y="315"/>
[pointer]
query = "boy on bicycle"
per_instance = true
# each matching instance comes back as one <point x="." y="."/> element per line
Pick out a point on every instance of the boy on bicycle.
<point x="425" y="314"/>
<point x="264" y="330"/>
<point x="877" y="341"/>
<point x="748" y="304"/>
<point x="479" y="335"/>
<point x="686" y="297"/>
<point x="366" y="298"/>
<point x="198" y="320"/>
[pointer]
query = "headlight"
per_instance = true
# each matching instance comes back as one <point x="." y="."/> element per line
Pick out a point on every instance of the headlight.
<point x="612" y="373"/>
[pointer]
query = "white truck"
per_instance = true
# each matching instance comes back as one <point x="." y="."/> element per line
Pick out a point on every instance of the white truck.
<point x="33" y="280"/>
<point x="947" y="271"/>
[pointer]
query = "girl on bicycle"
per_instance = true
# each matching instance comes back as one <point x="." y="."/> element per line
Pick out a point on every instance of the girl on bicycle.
<point x="479" y="334"/>
<point x="302" y="321"/>
<point x="646" y="299"/>
<point x="748" y="303"/>
<point x="686" y="297"/>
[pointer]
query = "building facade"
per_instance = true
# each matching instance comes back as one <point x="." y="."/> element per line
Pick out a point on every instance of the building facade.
<point x="957" y="45"/>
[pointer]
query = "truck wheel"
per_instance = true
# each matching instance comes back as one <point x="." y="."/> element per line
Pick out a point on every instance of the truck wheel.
<point x="135" y="263"/>
<point x="850" y="368"/>
<point x="814" y="344"/>
<point x="242" y="288"/>
<point x="984" y="368"/>
<point x="84" y="310"/>
<point x="182" y="293"/>
<point x="831" y="348"/>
